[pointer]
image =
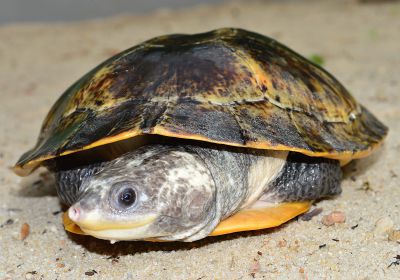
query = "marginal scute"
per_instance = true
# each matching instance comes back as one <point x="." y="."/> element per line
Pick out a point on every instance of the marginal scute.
<point x="227" y="86"/>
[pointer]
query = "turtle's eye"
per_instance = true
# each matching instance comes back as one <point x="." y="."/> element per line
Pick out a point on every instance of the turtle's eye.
<point x="127" y="197"/>
<point x="123" y="195"/>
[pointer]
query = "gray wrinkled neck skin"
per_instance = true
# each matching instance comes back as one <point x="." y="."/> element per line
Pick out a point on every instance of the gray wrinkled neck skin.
<point x="241" y="175"/>
<point x="305" y="178"/>
<point x="190" y="188"/>
<point x="69" y="182"/>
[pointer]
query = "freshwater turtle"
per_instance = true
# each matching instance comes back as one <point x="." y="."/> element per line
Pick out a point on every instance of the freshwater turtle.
<point x="186" y="136"/>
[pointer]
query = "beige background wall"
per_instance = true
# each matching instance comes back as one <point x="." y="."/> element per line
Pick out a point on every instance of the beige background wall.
<point x="69" y="10"/>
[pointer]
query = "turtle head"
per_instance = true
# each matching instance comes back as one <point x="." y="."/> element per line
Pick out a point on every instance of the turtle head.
<point x="156" y="192"/>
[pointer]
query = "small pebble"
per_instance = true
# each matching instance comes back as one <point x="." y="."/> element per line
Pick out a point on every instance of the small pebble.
<point x="91" y="273"/>
<point x="24" y="232"/>
<point x="334" y="217"/>
<point x="55" y="213"/>
<point x="282" y="243"/>
<point x="60" y="265"/>
<point x="29" y="275"/>
<point x="355" y="226"/>
<point x="7" y="223"/>
<point x="382" y="227"/>
<point x="394" y="235"/>
<point x="53" y="229"/>
<point x="266" y="241"/>
<point x="255" y="267"/>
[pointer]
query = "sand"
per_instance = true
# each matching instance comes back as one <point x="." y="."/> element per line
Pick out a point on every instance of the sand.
<point x="360" y="45"/>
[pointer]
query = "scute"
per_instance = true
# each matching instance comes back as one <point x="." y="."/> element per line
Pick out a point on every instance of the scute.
<point x="227" y="86"/>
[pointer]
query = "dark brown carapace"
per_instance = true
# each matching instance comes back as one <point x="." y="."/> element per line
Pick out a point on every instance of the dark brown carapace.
<point x="227" y="86"/>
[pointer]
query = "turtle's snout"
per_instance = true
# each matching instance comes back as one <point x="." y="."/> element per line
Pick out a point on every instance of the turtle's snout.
<point x="75" y="213"/>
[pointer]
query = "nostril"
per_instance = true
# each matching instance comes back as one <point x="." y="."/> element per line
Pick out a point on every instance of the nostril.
<point x="74" y="213"/>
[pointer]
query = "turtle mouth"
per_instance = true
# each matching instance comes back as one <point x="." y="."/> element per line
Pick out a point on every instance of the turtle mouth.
<point x="93" y="224"/>
<point x="136" y="231"/>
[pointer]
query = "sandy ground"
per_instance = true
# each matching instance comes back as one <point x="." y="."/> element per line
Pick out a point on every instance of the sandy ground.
<point x="360" y="45"/>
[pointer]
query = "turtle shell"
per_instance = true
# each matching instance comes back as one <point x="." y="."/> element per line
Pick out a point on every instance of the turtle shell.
<point x="227" y="86"/>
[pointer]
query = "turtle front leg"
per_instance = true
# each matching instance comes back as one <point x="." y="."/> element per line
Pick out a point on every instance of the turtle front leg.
<point x="305" y="178"/>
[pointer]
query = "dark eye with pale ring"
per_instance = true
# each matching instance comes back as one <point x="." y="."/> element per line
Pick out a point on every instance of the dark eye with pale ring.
<point x="127" y="197"/>
<point x="123" y="195"/>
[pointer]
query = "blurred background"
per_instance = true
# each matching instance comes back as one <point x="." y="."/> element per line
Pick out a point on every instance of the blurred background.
<point x="12" y="11"/>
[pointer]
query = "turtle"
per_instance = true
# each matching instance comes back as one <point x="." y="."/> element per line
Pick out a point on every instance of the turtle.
<point x="186" y="136"/>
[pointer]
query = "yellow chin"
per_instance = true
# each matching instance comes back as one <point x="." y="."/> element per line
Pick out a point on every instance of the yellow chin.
<point x="109" y="230"/>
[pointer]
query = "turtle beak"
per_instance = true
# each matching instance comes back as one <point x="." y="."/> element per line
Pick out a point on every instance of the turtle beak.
<point x="77" y="220"/>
